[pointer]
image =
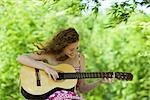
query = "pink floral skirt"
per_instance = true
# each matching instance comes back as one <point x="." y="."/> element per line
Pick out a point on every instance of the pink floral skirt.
<point x="64" y="95"/>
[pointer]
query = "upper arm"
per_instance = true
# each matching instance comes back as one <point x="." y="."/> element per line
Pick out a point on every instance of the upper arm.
<point x="82" y="63"/>
<point x="82" y="81"/>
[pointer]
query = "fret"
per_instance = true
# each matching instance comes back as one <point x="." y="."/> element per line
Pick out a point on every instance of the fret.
<point x="93" y="74"/>
<point x="79" y="75"/>
<point x="76" y="75"/>
<point x="64" y="76"/>
<point x="86" y="74"/>
<point x="73" y="75"/>
<point x="82" y="75"/>
<point x="97" y="75"/>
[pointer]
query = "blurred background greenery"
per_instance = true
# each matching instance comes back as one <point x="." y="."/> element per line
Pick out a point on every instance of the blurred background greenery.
<point x="115" y="40"/>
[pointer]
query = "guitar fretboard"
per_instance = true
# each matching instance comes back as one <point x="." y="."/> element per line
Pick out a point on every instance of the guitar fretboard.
<point x="78" y="75"/>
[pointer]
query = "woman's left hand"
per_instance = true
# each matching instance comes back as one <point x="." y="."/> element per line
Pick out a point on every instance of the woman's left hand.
<point x="107" y="80"/>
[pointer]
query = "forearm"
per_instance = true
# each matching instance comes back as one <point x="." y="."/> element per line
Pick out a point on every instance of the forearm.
<point x="89" y="86"/>
<point x="28" y="61"/>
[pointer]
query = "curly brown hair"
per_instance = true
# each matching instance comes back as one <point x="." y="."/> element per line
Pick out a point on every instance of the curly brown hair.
<point x="59" y="42"/>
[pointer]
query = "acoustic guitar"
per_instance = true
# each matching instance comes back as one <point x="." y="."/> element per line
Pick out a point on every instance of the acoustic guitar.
<point x="36" y="84"/>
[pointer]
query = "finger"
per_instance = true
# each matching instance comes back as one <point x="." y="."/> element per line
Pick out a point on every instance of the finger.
<point x="49" y="75"/>
<point x="53" y="76"/>
<point x="109" y="79"/>
<point x="56" y="74"/>
<point x="104" y="78"/>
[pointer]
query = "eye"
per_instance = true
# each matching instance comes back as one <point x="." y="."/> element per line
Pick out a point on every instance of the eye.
<point x="74" y="48"/>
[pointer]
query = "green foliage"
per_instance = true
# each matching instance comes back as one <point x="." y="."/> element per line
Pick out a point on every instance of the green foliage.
<point x="125" y="47"/>
<point x="120" y="12"/>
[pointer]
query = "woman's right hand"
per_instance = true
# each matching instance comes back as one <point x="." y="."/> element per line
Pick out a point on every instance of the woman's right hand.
<point x="50" y="71"/>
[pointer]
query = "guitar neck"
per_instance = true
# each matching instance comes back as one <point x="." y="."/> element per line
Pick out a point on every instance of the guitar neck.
<point x="84" y="75"/>
<point x="79" y="75"/>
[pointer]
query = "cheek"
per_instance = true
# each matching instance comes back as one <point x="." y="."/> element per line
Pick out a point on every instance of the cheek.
<point x="70" y="53"/>
<point x="66" y="52"/>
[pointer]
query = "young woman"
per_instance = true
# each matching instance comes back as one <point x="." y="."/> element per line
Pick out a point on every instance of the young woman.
<point x="63" y="48"/>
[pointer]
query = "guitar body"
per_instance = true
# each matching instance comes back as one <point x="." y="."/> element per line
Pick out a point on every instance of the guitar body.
<point x="35" y="83"/>
<point x="29" y="87"/>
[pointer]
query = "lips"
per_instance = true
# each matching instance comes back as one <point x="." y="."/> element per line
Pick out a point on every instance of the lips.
<point x="72" y="55"/>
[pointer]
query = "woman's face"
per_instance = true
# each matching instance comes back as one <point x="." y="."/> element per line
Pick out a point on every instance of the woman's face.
<point x="71" y="50"/>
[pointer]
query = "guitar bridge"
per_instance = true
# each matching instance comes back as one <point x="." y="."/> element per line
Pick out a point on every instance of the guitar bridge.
<point x="37" y="77"/>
